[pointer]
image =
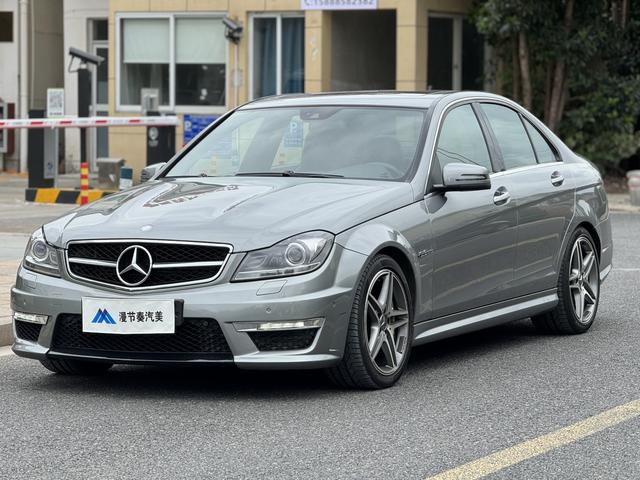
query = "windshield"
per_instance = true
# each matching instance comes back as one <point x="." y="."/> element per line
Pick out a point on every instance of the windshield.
<point x="353" y="142"/>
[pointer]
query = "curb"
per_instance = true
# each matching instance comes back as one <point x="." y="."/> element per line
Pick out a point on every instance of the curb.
<point x="61" y="195"/>
<point x="6" y="334"/>
<point x="624" y="210"/>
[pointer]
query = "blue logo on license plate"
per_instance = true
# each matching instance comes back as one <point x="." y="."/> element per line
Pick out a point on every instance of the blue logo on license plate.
<point x="103" y="316"/>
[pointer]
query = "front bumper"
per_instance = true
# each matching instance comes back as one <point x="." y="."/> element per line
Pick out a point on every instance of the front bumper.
<point x="326" y="293"/>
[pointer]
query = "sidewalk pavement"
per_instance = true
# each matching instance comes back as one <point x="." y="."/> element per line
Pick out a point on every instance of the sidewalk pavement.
<point x="621" y="202"/>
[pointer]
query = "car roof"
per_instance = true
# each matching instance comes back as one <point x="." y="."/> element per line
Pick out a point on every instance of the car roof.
<point x="386" y="98"/>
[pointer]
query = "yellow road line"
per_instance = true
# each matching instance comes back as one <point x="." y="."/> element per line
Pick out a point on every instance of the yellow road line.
<point x="537" y="446"/>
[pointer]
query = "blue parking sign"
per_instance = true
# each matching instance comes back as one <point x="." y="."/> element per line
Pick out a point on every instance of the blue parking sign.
<point x="194" y="124"/>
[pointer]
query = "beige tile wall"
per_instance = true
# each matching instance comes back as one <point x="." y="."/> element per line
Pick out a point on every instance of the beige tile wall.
<point x="411" y="54"/>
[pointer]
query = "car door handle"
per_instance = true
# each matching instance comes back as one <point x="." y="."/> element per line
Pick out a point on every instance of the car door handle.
<point x="501" y="196"/>
<point x="557" y="179"/>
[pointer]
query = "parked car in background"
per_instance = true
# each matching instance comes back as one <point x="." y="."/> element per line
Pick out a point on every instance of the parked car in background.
<point x="333" y="231"/>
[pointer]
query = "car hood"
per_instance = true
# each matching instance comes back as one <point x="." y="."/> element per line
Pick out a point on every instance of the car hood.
<point x="246" y="212"/>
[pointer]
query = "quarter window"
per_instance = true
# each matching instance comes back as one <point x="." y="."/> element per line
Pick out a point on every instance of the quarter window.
<point x="511" y="136"/>
<point x="544" y="152"/>
<point x="461" y="139"/>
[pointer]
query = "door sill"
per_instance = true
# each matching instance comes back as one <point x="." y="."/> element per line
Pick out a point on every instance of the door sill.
<point x="484" y="317"/>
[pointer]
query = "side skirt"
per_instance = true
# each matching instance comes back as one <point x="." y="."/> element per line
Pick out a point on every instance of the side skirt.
<point x="484" y="317"/>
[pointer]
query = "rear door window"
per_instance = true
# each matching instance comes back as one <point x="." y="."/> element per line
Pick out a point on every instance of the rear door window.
<point x="511" y="136"/>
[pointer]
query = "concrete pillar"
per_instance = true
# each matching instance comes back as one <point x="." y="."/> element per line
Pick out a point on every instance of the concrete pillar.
<point x="411" y="43"/>
<point x="317" y="54"/>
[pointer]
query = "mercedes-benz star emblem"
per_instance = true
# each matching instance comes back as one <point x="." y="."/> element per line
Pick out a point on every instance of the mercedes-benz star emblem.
<point x="134" y="265"/>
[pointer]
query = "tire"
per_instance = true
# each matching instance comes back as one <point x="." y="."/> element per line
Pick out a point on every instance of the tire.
<point x="75" y="367"/>
<point x="357" y="368"/>
<point x="566" y="318"/>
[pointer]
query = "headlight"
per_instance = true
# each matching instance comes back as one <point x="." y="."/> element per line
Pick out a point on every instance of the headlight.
<point x="300" y="254"/>
<point x="40" y="256"/>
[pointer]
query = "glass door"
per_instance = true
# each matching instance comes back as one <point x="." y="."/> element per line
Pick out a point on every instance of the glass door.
<point x="277" y="55"/>
<point x="455" y="54"/>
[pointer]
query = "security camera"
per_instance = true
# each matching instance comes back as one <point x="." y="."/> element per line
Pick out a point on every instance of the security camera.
<point x="233" y="31"/>
<point x="85" y="57"/>
<point x="230" y="24"/>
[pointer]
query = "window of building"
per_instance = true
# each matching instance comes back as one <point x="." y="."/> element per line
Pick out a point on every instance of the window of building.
<point x="100" y="46"/>
<point x="200" y="61"/>
<point x="182" y="56"/>
<point x="277" y="51"/>
<point x="461" y="140"/>
<point x="511" y="136"/>
<point x="6" y="26"/>
<point x="455" y="54"/>
<point x="100" y="30"/>
<point x="544" y="151"/>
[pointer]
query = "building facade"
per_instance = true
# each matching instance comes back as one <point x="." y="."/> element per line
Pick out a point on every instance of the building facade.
<point x="31" y="55"/>
<point x="179" y="52"/>
<point x="178" y="47"/>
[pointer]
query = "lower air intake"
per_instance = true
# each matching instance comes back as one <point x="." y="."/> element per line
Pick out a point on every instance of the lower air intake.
<point x="284" y="340"/>
<point x="195" y="338"/>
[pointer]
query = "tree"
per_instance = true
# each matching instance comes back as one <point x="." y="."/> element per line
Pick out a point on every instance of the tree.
<point x="574" y="64"/>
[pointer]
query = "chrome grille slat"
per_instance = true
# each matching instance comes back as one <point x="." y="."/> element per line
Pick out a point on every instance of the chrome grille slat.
<point x="174" y="264"/>
<point x="187" y="264"/>
<point x="91" y="261"/>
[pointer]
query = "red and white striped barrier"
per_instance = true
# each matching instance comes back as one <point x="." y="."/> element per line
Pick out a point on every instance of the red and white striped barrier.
<point x="88" y="122"/>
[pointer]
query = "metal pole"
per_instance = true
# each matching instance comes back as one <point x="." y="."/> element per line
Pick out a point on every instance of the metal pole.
<point x="236" y="75"/>
<point x="23" y="58"/>
<point x="84" y="104"/>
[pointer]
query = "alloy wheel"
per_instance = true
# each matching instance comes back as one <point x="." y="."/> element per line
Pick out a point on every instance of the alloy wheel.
<point x="386" y="322"/>
<point x="583" y="280"/>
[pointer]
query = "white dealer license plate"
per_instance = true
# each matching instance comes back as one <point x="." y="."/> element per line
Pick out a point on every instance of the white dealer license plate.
<point x="128" y="316"/>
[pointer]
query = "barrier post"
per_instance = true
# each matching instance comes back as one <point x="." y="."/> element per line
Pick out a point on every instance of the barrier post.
<point x="84" y="183"/>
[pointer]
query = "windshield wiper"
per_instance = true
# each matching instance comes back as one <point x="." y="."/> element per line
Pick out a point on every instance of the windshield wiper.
<point x="288" y="173"/>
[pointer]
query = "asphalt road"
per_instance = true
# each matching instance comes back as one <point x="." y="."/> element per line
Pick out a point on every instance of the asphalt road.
<point x="461" y="399"/>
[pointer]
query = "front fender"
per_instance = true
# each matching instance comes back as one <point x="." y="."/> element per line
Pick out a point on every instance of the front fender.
<point x="371" y="238"/>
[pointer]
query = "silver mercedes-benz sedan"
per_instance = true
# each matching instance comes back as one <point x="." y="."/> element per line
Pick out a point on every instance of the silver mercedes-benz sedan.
<point x="332" y="231"/>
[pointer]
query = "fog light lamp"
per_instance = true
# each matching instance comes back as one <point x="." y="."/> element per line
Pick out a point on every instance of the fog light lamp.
<point x="31" y="317"/>
<point x="278" y="326"/>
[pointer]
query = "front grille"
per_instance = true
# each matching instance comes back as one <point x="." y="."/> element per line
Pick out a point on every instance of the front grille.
<point x="172" y="263"/>
<point x="28" y="331"/>
<point x="196" y="337"/>
<point x="284" y="340"/>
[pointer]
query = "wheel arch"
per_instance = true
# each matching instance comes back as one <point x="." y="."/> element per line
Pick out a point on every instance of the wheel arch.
<point x="380" y="239"/>
<point x="405" y="264"/>
<point x="594" y="235"/>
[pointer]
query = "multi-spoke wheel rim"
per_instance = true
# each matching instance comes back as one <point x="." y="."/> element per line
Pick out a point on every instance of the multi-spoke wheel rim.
<point x="583" y="280"/>
<point x="386" y="322"/>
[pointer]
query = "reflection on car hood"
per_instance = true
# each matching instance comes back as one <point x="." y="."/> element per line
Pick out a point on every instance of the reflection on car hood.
<point x="246" y="212"/>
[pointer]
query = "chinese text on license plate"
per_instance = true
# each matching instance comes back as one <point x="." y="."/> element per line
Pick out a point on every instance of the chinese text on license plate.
<point x="128" y="316"/>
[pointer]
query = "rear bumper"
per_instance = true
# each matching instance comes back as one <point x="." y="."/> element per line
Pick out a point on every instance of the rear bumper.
<point x="606" y="247"/>
<point x="326" y="293"/>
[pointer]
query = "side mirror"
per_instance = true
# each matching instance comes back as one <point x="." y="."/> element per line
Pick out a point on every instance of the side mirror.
<point x="459" y="177"/>
<point x="149" y="172"/>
